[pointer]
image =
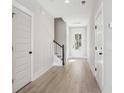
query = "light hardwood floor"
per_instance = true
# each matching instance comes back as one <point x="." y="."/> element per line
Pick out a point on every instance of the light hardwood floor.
<point x="74" y="77"/>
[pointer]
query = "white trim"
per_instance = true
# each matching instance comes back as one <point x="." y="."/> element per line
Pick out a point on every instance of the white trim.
<point x="41" y="72"/>
<point x="98" y="10"/>
<point x="67" y="42"/>
<point x="32" y="48"/>
<point x="77" y="58"/>
<point x="22" y="8"/>
<point x="27" y="11"/>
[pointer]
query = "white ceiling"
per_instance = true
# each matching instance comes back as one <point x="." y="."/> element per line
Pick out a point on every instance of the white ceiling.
<point x="74" y="12"/>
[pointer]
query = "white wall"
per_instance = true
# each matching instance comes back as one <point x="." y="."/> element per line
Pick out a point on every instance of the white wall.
<point x="60" y="33"/>
<point x="43" y="37"/>
<point x="107" y="46"/>
<point x="91" y="44"/>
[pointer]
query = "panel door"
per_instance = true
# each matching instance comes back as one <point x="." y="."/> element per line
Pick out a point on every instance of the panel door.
<point x="99" y="42"/>
<point x="21" y="41"/>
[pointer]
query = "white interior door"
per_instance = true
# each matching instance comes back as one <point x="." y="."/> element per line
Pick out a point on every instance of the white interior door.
<point x="21" y="41"/>
<point x="99" y="41"/>
<point x="78" y="34"/>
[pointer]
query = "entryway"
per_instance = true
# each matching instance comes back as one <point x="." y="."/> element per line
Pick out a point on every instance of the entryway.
<point x="77" y="42"/>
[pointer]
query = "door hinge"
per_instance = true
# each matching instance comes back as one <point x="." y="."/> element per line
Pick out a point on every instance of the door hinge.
<point x="95" y="69"/>
<point x="95" y="26"/>
<point x="12" y="81"/>
<point x="13" y="14"/>
<point x="12" y="48"/>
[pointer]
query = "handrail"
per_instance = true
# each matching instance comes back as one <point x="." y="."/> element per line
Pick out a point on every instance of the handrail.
<point x="62" y="46"/>
<point x="57" y="43"/>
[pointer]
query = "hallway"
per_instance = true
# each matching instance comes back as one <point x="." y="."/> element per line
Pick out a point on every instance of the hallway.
<point x="74" y="77"/>
<point x="46" y="33"/>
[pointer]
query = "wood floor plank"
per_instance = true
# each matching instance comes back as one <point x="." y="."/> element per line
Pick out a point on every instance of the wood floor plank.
<point x="74" y="77"/>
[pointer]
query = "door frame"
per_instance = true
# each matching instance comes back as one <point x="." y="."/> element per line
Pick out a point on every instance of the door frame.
<point x="99" y="9"/>
<point x="27" y="11"/>
<point x="69" y="49"/>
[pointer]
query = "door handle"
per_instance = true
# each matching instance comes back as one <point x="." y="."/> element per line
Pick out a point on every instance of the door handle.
<point x="100" y="53"/>
<point x="30" y="52"/>
<point x="95" y="69"/>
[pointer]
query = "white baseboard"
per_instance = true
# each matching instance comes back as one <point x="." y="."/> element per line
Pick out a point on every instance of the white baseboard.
<point x="92" y="68"/>
<point x="77" y="58"/>
<point x="40" y="73"/>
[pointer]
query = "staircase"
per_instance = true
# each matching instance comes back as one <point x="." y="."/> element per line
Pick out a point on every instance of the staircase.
<point x="58" y="54"/>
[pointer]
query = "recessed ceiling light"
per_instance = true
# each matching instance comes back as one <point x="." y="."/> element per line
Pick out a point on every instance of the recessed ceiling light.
<point x="67" y="1"/>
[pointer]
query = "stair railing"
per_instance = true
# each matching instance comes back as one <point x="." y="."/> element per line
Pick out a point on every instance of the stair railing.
<point x="59" y="50"/>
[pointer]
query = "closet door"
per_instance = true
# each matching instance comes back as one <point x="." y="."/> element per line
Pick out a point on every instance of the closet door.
<point x="21" y="23"/>
<point x="99" y="42"/>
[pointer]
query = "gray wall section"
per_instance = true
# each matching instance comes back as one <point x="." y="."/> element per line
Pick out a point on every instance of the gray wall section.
<point x="60" y="32"/>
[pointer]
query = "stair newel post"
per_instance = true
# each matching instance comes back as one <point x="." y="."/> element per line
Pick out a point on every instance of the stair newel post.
<point x="63" y="54"/>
